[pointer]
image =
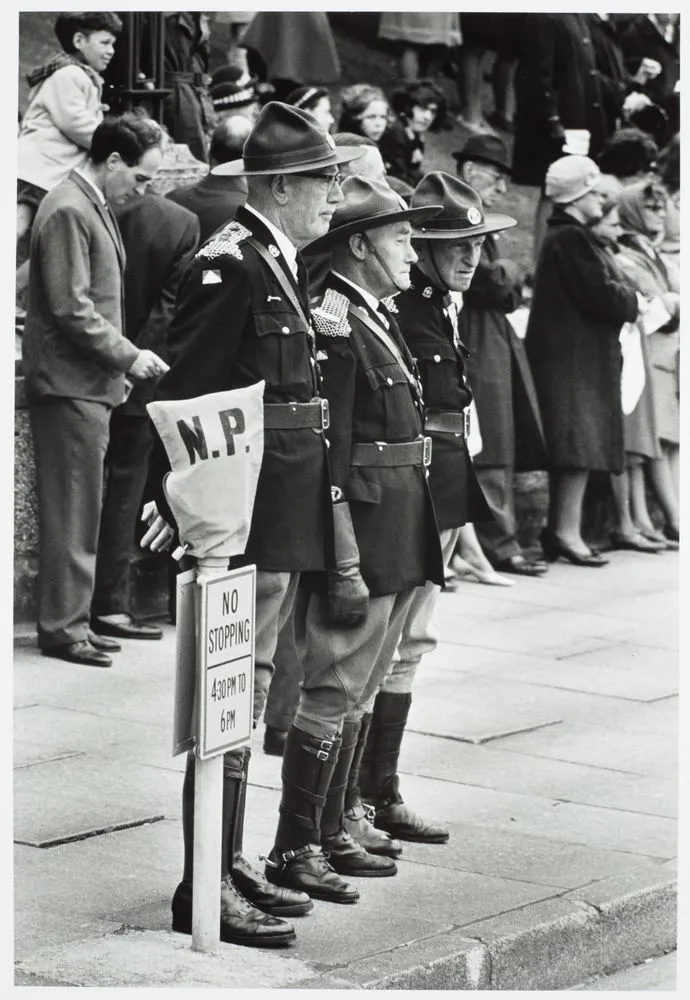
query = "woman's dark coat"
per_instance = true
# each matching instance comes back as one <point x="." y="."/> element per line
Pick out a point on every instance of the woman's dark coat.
<point x="580" y="303"/>
<point x="556" y="78"/>
<point x="497" y="370"/>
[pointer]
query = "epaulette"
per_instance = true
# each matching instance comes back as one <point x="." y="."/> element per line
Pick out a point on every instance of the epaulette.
<point x="226" y="242"/>
<point x="330" y="318"/>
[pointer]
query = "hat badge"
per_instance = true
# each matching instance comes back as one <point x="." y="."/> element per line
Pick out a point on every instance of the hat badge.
<point x="474" y="216"/>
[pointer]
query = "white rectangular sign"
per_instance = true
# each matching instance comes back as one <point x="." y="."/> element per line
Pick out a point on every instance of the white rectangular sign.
<point x="226" y="660"/>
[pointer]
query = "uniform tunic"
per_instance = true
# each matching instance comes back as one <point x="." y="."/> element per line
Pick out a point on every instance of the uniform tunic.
<point x="428" y="332"/>
<point x="233" y="327"/>
<point x="371" y="399"/>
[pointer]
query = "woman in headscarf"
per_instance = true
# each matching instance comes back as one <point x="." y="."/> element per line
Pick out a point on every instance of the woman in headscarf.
<point x="640" y="439"/>
<point x="642" y="211"/>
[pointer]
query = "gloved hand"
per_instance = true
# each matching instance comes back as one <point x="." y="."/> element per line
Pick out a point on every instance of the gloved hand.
<point x="348" y="594"/>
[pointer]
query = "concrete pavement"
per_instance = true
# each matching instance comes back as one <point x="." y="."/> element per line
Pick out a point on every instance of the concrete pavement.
<point x="543" y="731"/>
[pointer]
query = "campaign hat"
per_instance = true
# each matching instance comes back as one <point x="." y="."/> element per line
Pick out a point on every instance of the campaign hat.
<point x="485" y="149"/>
<point x="368" y="204"/>
<point x="285" y="140"/>
<point x="462" y="213"/>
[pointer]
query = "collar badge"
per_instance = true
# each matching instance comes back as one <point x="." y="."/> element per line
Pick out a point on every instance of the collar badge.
<point x="272" y="249"/>
<point x="428" y="292"/>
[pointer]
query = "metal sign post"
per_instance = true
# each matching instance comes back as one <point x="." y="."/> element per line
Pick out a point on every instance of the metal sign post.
<point x="225" y="694"/>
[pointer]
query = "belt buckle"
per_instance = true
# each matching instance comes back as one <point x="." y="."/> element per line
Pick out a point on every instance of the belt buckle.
<point x="325" y="415"/>
<point x="426" y="452"/>
<point x="466" y="422"/>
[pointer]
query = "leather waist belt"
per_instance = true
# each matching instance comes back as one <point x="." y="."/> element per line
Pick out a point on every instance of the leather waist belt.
<point x="448" y="422"/>
<point x="382" y="454"/>
<point x="281" y="416"/>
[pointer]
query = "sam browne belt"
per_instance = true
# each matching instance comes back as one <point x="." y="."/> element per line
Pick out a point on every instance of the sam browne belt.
<point x="448" y="422"/>
<point x="282" y="416"/>
<point x="382" y="454"/>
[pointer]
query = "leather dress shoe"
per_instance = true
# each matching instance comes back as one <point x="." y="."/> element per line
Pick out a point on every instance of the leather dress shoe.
<point x="307" y="869"/>
<point x="358" y="823"/>
<point x="521" y="566"/>
<point x="400" y="821"/>
<point x="124" y="627"/>
<point x="273" y="899"/>
<point x="105" y="645"/>
<point x="348" y="857"/>
<point x="79" y="652"/>
<point x="240" y="923"/>
<point x="274" y="741"/>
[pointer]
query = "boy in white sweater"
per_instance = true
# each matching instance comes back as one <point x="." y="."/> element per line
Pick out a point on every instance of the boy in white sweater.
<point x="64" y="109"/>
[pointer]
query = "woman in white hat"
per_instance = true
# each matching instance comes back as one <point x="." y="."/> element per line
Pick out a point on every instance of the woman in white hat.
<point x="579" y="305"/>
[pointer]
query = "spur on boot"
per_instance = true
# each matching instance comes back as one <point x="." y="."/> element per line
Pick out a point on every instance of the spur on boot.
<point x="276" y="900"/>
<point x="240" y="923"/>
<point x="308" y="870"/>
<point x="348" y="857"/>
<point x="358" y="822"/>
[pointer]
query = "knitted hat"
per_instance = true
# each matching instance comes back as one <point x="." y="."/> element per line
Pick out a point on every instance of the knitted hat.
<point x="569" y="178"/>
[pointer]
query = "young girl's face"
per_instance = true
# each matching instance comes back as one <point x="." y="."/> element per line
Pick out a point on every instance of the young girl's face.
<point x="422" y="117"/>
<point x="374" y="119"/>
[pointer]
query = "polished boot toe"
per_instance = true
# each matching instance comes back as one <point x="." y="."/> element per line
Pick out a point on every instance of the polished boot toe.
<point x="240" y="923"/>
<point x="274" y="741"/>
<point x="348" y="857"/>
<point x="79" y="652"/>
<point x="273" y="899"/>
<point x="124" y="627"/>
<point x="400" y="821"/>
<point x="103" y="644"/>
<point x="308" y="870"/>
<point x="357" y="822"/>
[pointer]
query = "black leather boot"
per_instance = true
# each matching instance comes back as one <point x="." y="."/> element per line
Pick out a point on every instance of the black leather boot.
<point x="296" y="861"/>
<point x="240" y="922"/>
<point x="379" y="781"/>
<point x="358" y="818"/>
<point x="271" y="899"/>
<point x="343" y="853"/>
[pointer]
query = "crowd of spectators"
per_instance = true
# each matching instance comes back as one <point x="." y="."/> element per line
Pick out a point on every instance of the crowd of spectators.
<point x="589" y="104"/>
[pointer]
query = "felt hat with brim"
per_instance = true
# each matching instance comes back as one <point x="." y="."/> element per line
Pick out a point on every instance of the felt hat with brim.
<point x="462" y="212"/>
<point x="285" y="140"/>
<point x="368" y="204"/>
<point x="485" y="149"/>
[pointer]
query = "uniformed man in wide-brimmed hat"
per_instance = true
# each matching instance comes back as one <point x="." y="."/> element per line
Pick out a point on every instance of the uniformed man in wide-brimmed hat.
<point x="243" y="316"/>
<point x="386" y="540"/>
<point x="448" y="245"/>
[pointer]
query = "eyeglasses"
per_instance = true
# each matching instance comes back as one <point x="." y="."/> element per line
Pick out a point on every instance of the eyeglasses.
<point x="333" y="180"/>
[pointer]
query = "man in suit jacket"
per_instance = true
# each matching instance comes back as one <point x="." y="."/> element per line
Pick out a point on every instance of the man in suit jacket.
<point x="75" y="360"/>
<point x="160" y="239"/>
<point x="215" y="200"/>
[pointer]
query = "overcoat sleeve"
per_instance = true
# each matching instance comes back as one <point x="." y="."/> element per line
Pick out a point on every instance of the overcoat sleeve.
<point x="495" y="285"/>
<point x="596" y="292"/>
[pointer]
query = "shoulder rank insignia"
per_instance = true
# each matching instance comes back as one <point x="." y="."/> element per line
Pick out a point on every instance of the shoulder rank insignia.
<point x="226" y="242"/>
<point x="389" y="304"/>
<point x="330" y="317"/>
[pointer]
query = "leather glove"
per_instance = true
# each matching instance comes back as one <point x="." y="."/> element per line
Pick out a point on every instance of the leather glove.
<point x="348" y="594"/>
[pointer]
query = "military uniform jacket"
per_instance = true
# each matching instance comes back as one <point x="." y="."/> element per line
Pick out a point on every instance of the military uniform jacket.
<point x="371" y="399"/>
<point x="428" y="331"/>
<point x="234" y="326"/>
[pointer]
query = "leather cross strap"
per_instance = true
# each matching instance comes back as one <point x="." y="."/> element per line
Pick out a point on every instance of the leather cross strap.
<point x="382" y="454"/>
<point x="282" y="280"/>
<point x="448" y="422"/>
<point x="385" y="339"/>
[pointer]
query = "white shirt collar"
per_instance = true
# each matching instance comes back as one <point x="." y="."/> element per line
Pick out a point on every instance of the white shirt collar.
<point x="101" y="196"/>
<point x="288" y="251"/>
<point x="667" y="32"/>
<point x="370" y="299"/>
